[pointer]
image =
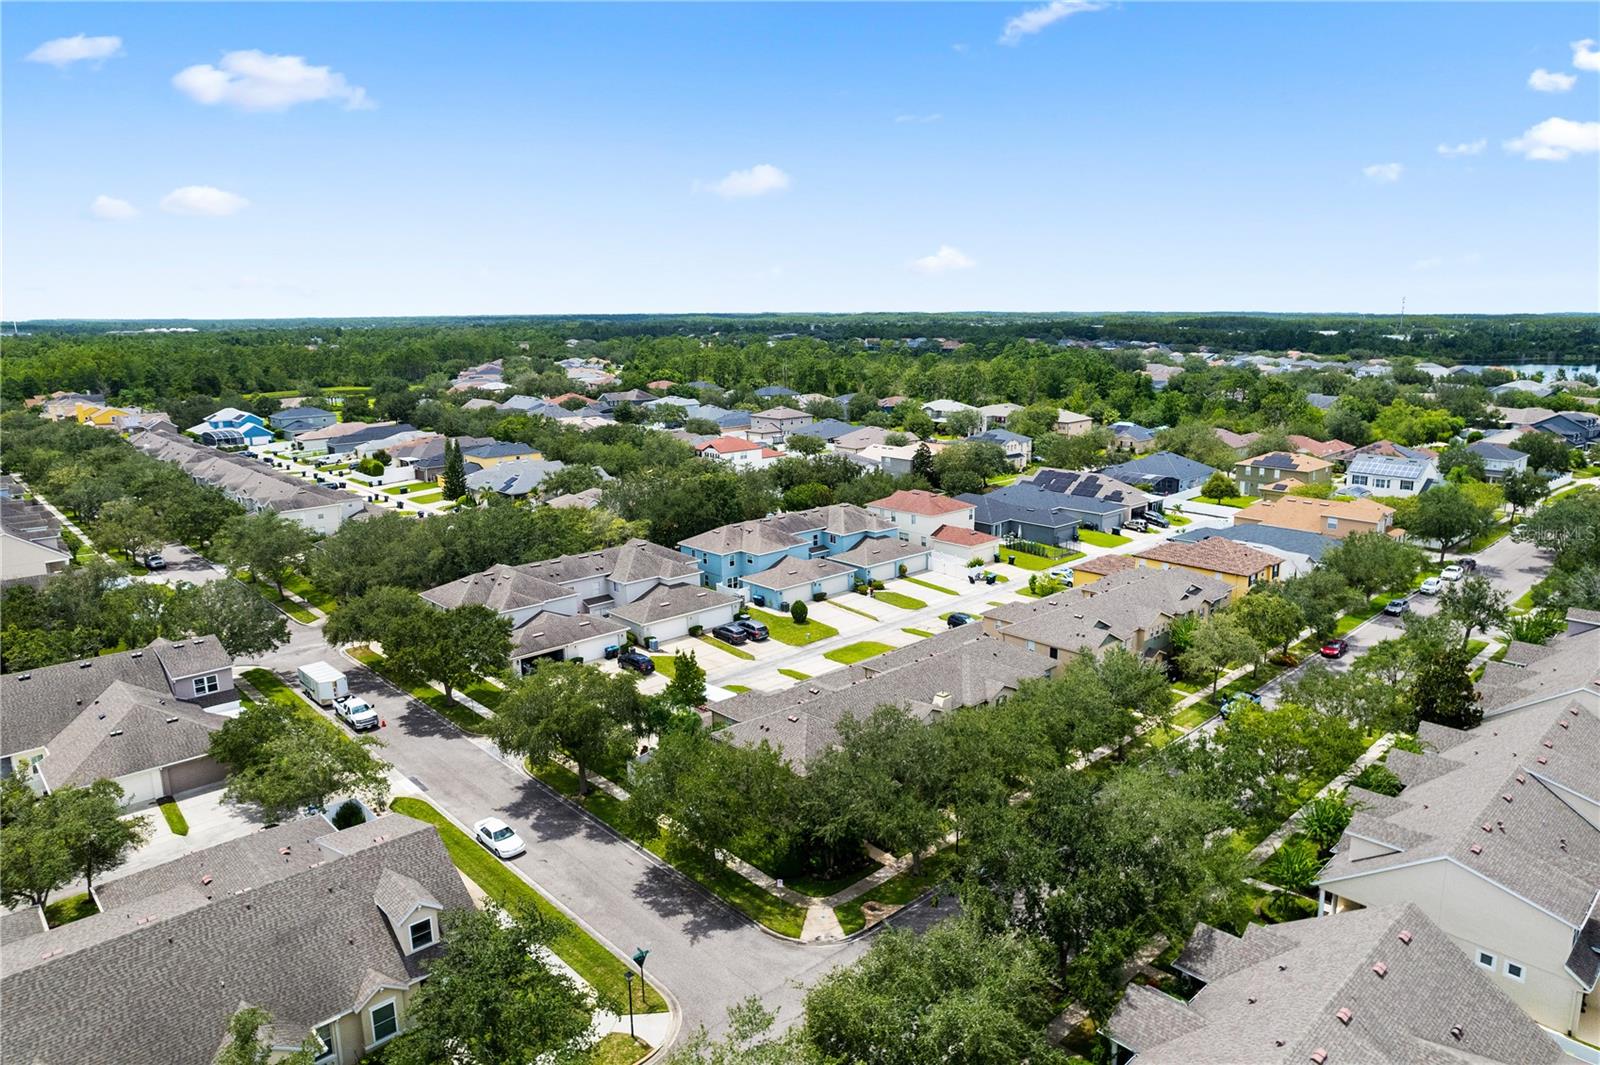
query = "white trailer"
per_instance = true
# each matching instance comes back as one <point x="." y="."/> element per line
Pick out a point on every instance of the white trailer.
<point x="323" y="682"/>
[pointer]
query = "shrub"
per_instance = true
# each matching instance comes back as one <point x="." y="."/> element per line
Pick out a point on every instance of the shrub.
<point x="798" y="611"/>
<point x="877" y="586"/>
<point x="695" y="630"/>
<point x="903" y="570"/>
<point x="975" y="562"/>
<point x="817" y="597"/>
<point x="349" y="815"/>
<point x="1379" y="778"/>
<point x="1325" y="819"/>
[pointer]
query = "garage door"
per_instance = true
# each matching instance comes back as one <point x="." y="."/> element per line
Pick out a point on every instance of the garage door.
<point x="195" y="773"/>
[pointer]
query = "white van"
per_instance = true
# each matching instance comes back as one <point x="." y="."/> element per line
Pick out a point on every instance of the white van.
<point x="323" y="682"/>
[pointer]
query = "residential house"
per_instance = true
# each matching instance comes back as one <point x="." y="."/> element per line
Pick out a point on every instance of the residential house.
<point x="141" y="718"/>
<point x="1321" y="401"/>
<point x="1379" y="985"/>
<point x="587" y="499"/>
<point x="1533" y="676"/>
<point x="1300" y="550"/>
<point x="1329" y="450"/>
<point x="232" y="427"/>
<point x="1532" y="388"/>
<point x="930" y="678"/>
<point x="739" y="453"/>
<point x="1522" y="417"/>
<point x="828" y="430"/>
<point x="330" y="932"/>
<point x="660" y="385"/>
<point x="1499" y="461"/>
<point x="1129" y="436"/>
<point x="1254" y="474"/>
<point x="1131" y="609"/>
<point x="774" y="424"/>
<point x="1433" y="369"/>
<point x="1024" y="511"/>
<point x="1086" y="484"/>
<point x="1162" y="473"/>
<point x="297" y="420"/>
<point x="1018" y="448"/>
<point x="733" y="555"/>
<point x="1237" y="565"/>
<point x="1390" y="449"/>
<point x="896" y="460"/>
<point x="1241" y="443"/>
<point x="1160" y="373"/>
<point x="920" y="515"/>
<point x="891" y="403"/>
<point x="319" y="441"/>
<point x="31" y="549"/>
<point x="965" y="545"/>
<point x="100" y="417"/>
<point x="1495" y="838"/>
<point x="478" y="453"/>
<point x="514" y="478"/>
<point x="941" y="409"/>
<point x="994" y="415"/>
<point x="774" y="392"/>
<point x="486" y="377"/>
<point x="860" y="438"/>
<point x="1578" y="428"/>
<point x="1337" y="518"/>
<point x="1390" y="475"/>
<point x="1070" y="424"/>
<point x="59" y="406"/>
<point x="134" y="418"/>
<point x="610" y="401"/>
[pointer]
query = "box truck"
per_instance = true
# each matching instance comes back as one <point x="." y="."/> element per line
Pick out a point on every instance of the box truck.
<point x="323" y="683"/>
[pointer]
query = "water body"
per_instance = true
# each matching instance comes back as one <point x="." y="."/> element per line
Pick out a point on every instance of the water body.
<point x="1527" y="369"/>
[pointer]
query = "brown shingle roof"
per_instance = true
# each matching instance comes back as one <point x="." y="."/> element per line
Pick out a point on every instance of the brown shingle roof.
<point x="1213" y="553"/>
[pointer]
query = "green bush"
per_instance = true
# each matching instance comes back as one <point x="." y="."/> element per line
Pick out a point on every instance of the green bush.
<point x="817" y="597"/>
<point x="798" y="611"/>
<point x="695" y="630"/>
<point x="1379" y="778"/>
<point x="349" y="815"/>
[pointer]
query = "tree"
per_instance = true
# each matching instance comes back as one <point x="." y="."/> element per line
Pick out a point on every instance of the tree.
<point x="962" y="423"/>
<point x="35" y="859"/>
<point x="798" y="611"/>
<point x="807" y="496"/>
<point x="245" y="624"/>
<point x="453" y="647"/>
<point x="688" y="685"/>
<point x="98" y="836"/>
<point x="1271" y="620"/>
<point x="1267" y="753"/>
<point x="1524" y="490"/>
<point x="1374" y="562"/>
<point x="1545" y="451"/>
<point x="265" y="543"/>
<point x="567" y="708"/>
<point x="1198" y="441"/>
<point x="747" y="1041"/>
<point x="245" y="1046"/>
<point x="131" y="527"/>
<point x="803" y="444"/>
<point x="455" y="471"/>
<point x="1443" y="692"/>
<point x="1476" y="604"/>
<point x="491" y="998"/>
<point x="922" y="464"/>
<point x="1323" y="595"/>
<point x="1325" y="818"/>
<point x="1406" y="423"/>
<point x="1444" y="515"/>
<point x="1218" y="486"/>
<point x="369" y="617"/>
<point x="1457" y="456"/>
<point x="283" y="759"/>
<point x="1218" y="643"/>
<point x="918" y="423"/>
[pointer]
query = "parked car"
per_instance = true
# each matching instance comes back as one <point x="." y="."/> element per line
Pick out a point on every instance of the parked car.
<point x="753" y="629"/>
<point x="958" y="619"/>
<point x="498" y="838"/>
<point x="1469" y="564"/>
<point x="1240" y="700"/>
<point x="1157" y="519"/>
<point x="355" y="712"/>
<point x="154" y="562"/>
<point x="1431" y="586"/>
<point x="731" y="633"/>
<point x="1453" y="573"/>
<point x="1395" y="607"/>
<point x="637" y="661"/>
<point x="1136" y="524"/>
<point x="1334" y="649"/>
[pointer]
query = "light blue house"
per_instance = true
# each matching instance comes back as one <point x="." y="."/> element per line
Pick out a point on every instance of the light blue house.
<point x="232" y="427"/>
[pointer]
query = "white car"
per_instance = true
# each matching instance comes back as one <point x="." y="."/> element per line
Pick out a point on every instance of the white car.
<point x="1452" y="573"/>
<point x="1431" y="586"/>
<point x="498" y="838"/>
<point x="355" y="712"/>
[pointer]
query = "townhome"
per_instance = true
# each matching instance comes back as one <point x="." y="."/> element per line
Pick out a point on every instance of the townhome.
<point x="776" y="423"/>
<point x="1499" y="461"/>
<point x="31" y="549"/>
<point x="1255" y="474"/>
<point x="737" y="555"/>
<point x="1378" y="985"/>
<point x="232" y="427"/>
<point x="1070" y="424"/>
<point x="1393" y="475"/>
<point x="1495" y="836"/>
<point x="1237" y="565"/>
<point x="1018" y="448"/>
<point x="1549" y="675"/>
<point x="142" y="718"/>
<point x="297" y="420"/>
<point x="920" y="515"/>
<point x="1337" y="518"/>
<point x="329" y="931"/>
<point x="1162" y="473"/>
<point x="1132" y="609"/>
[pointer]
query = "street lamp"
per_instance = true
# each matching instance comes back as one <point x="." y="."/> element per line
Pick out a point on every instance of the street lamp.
<point x="638" y="959"/>
<point x="628" y="973"/>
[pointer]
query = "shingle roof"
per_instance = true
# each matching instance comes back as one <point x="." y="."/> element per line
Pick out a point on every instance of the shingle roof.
<point x="1301" y="512"/>
<point x="918" y="501"/>
<point x="1159" y="464"/>
<point x="1023" y="502"/>
<point x="1571" y="664"/>
<point x="1105" y="565"/>
<point x="1110" y="609"/>
<point x="789" y="572"/>
<point x="1233" y="439"/>
<point x="1087" y="484"/>
<point x="514" y="478"/>
<point x="1294" y="541"/>
<point x="671" y="601"/>
<point x="782" y="414"/>
<point x="156" y="975"/>
<point x="955" y="534"/>
<point x="1284" y="460"/>
<point x="1495" y="452"/>
<point x="827" y="429"/>
<point x="127" y="729"/>
<point x="1215" y="553"/>
<point x="874" y="551"/>
<point x="1000" y="436"/>
<point x="500" y="588"/>
<point x="786" y="530"/>
<point x="547" y="630"/>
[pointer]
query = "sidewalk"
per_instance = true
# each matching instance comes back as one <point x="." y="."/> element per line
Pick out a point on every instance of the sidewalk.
<point x="66" y="522"/>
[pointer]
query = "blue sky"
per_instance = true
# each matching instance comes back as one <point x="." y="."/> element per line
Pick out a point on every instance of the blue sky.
<point x="505" y="158"/>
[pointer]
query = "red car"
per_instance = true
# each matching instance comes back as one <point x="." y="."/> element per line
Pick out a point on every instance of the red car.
<point x="1334" y="649"/>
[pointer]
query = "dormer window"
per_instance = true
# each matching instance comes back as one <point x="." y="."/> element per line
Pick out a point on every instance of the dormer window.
<point x="206" y="685"/>
<point x="421" y="933"/>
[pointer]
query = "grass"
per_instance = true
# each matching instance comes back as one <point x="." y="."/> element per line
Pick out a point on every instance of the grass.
<point x="795" y="674"/>
<point x="748" y="898"/>
<point x="782" y="628"/>
<point x="666" y="665"/>
<point x="737" y="689"/>
<point x="69" y="909"/>
<point x="1237" y="502"/>
<point x="274" y="690"/>
<point x="293" y="609"/>
<point x="857" y="652"/>
<point x="924" y="633"/>
<point x="899" y="890"/>
<point x="618" y="1048"/>
<point x="1475" y="648"/>
<point x="174" y="817"/>
<point x="1027" y="560"/>
<point x="1359" y="617"/>
<point x="1191" y="716"/>
<point x="402" y="489"/>
<point x="929" y="585"/>
<point x="1103" y="539"/>
<point x="311" y="593"/>
<point x="725" y="646"/>
<point x="1524" y="602"/>
<point x="854" y="610"/>
<point x="1178" y="519"/>
<point x="904" y="602"/>
<point x="463" y="717"/>
<point x="597" y="965"/>
<point x="427" y="497"/>
<point x="1489" y="536"/>
<point x="484" y="693"/>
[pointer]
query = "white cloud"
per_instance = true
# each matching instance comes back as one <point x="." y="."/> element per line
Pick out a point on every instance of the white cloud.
<point x="1585" y="56"/>
<point x="943" y="260"/>
<point x="1433" y="262"/>
<point x="1035" y="19"/>
<point x="1464" y="148"/>
<point x="1556" y="139"/>
<point x="252" y="80"/>
<point x="917" y="120"/>
<point x="203" y="200"/>
<point x="1383" y="173"/>
<point x="1543" y="80"/>
<point x="759" y="180"/>
<point x="112" y="209"/>
<point x="66" y="50"/>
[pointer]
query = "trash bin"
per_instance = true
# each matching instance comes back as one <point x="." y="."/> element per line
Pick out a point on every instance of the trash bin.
<point x="989" y="578"/>
<point x="1011" y="559"/>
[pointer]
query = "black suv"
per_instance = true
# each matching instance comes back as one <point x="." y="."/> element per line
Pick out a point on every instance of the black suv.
<point x="637" y="661"/>
<point x="731" y="633"/>
<point x="958" y="619"/>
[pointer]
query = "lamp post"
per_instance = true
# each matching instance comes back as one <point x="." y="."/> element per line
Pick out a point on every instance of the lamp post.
<point x="628" y="973"/>
<point x="638" y="959"/>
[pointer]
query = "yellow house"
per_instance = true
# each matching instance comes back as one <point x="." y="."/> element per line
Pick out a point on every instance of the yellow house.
<point x="1234" y="564"/>
<point x="486" y="455"/>
<point x="1104" y="566"/>
<point x="94" y="414"/>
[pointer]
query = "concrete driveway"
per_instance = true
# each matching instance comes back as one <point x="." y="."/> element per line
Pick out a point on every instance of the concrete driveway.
<point x="184" y="565"/>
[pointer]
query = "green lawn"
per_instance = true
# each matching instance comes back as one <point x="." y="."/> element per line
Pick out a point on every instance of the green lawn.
<point x="1103" y="539"/>
<point x="737" y="689"/>
<point x="899" y="890"/>
<point x="293" y="609"/>
<point x="402" y="489"/>
<point x="728" y="647"/>
<point x="311" y="593"/>
<point x="854" y="610"/>
<point x="1489" y="536"/>
<point x="1191" y="716"/>
<point x="1358" y="617"/>
<point x="784" y="630"/>
<point x="485" y="693"/>
<point x="1178" y="519"/>
<point x="929" y="585"/>
<point x="924" y="633"/>
<point x="427" y="497"/>
<point x="618" y="1048"/>
<point x="274" y="690"/>
<point x="1026" y="560"/>
<point x="1524" y="602"/>
<point x="904" y="602"/>
<point x="464" y="718"/>
<point x="1237" y="502"/>
<point x="795" y="674"/>
<point x="857" y="652"/>
<point x="571" y="944"/>
<point x="174" y="817"/>
<point x="69" y="909"/>
<point x="666" y="665"/>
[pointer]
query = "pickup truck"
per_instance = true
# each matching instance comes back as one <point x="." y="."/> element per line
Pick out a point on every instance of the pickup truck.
<point x="355" y="712"/>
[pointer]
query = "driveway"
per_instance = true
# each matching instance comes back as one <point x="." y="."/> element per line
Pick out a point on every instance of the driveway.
<point x="184" y="565"/>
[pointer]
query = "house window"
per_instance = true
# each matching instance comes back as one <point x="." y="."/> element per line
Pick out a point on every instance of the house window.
<point x="1515" y="971"/>
<point x="1380" y="482"/>
<point x="1358" y="478"/>
<point x="326" y="1051"/>
<point x="1406" y="486"/>
<point x="385" y="1022"/>
<point x="206" y="685"/>
<point x="421" y="934"/>
<point x="1486" y="960"/>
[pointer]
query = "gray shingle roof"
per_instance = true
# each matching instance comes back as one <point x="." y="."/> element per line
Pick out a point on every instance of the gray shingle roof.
<point x="876" y="550"/>
<point x="785" y="530"/>
<point x="827" y="429"/>
<point x="546" y="631"/>
<point x="517" y="477"/>
<point x="500" y="588"/>
<point x="1496" y="452"/>
<point x="671" y="601"/>
<point x="155" y="976"/>
<point x="127" y="730"/>
<point x="1293" y="541"/>
<point x="1159" y="464"/>
<point x="791" y="572"/>
<point x="1572" y="664"/>
<point x="508" y="588"/>
<point x="1110" y="609"/>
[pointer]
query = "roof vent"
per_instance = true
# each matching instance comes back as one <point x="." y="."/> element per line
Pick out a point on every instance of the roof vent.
<point x="116" y="732"/>
<point x="1563" y="724"/>
<point x="25" y="676"/>
<point x="1521" y="779"/>
<point x="1455" y="1031"/>
<point x="136" y="654"/>
<point x="1549" y="746"/>
<point x="89" y="665"/>
<point x="1405" y="936"/>
<point x="1380" y="969"/>
<point x="283" y="850"/>
<point x="1318" y="1056"/>
<point x="1573" y="710"/>
<point x="1344" y="1015"/>
<point x="1543" y="760"/>
<point x="794" y="717"/>
<point x="1476" y="848"/>
<point x="1487" y="827"/>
